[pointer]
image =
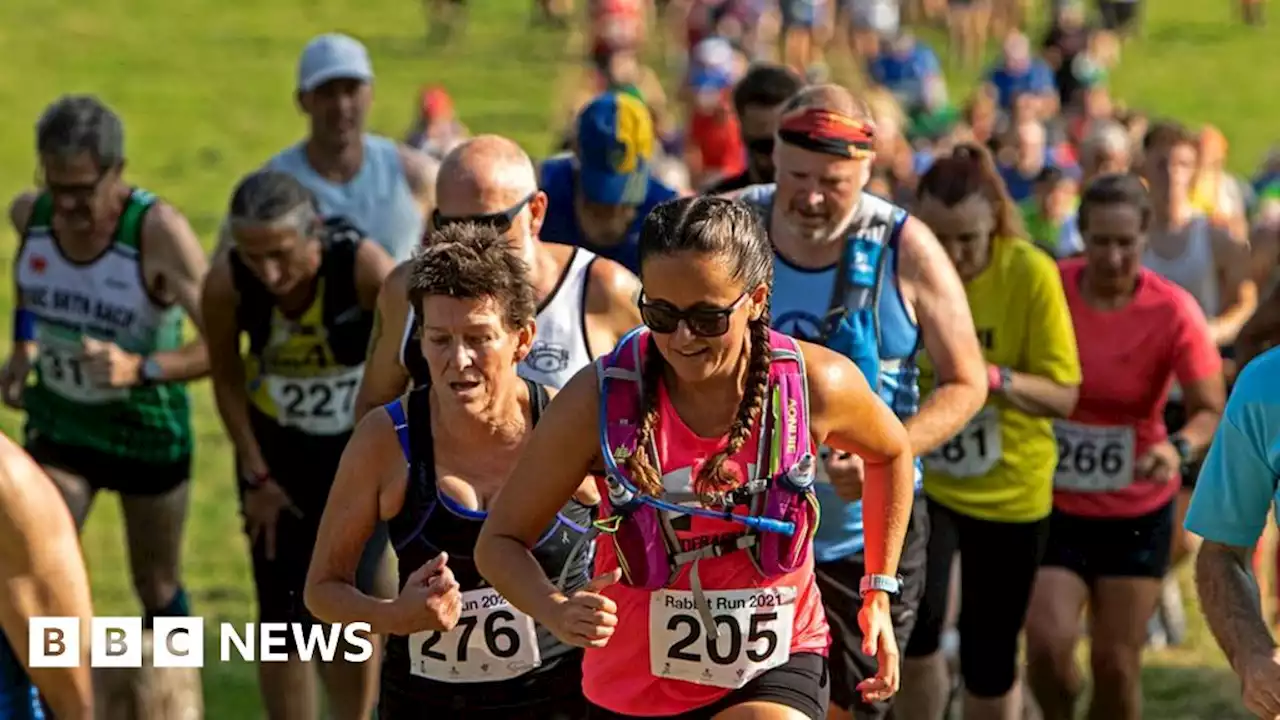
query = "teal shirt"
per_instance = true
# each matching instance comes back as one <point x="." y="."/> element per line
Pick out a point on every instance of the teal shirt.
<point x="1238" y="482"/>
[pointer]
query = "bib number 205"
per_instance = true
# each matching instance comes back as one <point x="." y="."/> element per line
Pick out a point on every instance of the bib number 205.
<point x="492" y="641"/>
<point x="753" y="634"/>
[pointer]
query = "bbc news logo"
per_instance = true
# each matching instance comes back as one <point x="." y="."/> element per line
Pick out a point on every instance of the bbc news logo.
<point x="117" y="642"/>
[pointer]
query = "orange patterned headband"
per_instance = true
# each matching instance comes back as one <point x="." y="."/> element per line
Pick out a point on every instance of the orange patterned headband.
<point x="827" y="131"/>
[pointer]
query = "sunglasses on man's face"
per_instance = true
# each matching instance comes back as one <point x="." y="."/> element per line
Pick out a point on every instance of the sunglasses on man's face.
<point x="702" y="321"/>
<point x="760" y="145"/>
<point x="499" y="221"/>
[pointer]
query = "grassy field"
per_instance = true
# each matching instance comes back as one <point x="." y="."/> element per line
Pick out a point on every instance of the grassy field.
<point x="205" y="88"/>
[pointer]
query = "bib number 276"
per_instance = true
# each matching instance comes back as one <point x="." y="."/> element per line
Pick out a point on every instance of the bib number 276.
<point x="492" y="641"/>
<point x="753" y="634"/>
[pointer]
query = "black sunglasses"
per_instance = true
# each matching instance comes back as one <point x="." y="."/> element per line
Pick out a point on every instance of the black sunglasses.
<point x="707" y="322"/>
<point x="761" y="145"/>
<point x="500" y="221"/>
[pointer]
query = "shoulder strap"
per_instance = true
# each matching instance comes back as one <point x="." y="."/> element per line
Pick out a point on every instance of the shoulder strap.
<point x="396" y="410"/>
<point x="538" y="400"/>
<point x="253" y="314"/>
<point x="421" y="439"/>
<point x="788" y="440"/>
<point x="618" y="377"/>
<point x="41" y="212"/>
<point x="129" y="229"/>
<point x="348" y="336"/>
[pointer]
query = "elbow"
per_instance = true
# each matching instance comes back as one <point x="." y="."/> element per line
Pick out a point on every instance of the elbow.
<point x="1066" y="403"/>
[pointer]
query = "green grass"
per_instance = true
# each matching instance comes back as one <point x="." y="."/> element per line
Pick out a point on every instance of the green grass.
<point x="205" y="88"/>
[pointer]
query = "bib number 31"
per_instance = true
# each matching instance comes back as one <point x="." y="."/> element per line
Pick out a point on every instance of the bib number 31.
<point x="492" y="641"/>
<point x="753" y="628"/>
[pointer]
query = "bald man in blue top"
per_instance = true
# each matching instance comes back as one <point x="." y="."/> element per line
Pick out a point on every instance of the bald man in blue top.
<point x="1233" y="498"/>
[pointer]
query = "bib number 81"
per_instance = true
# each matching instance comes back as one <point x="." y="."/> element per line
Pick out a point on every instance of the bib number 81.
<point x="726" y="627"/>
<point x="502" y="642"/>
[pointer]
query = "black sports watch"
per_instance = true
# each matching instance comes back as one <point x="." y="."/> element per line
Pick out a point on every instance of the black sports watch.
<point x="1183" y="446"/>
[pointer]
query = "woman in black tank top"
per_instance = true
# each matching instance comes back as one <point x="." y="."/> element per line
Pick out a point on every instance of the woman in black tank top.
<point x="429" y="464"/>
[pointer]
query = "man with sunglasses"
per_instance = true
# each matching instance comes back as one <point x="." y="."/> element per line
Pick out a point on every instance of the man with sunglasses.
<point x="598" y="195"/>
<point x="865" y="278"/>
<point x="756" y="98"/>
<point x="585" y="303"/>
<point x="104" y="274"/>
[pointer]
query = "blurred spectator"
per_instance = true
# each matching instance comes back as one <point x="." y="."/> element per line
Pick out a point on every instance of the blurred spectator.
<point x="1119" y="16"/>
<point x="1067" y="38"/>
<point x="909" y="69"/>
<point x="436" y="130"/>
<point x="893" y="153"/>
<point x="1216" y="193"/>
<point x="1018" y="72"/>
<point x="617" y="68"/>
<point x="1050" y="214"/>
<point x="1106" y="149"/>
<point x="756" y="100"/>
<point x="1029" y="157"/>
<point x="871" y="23"/>
<point x="982" y="116"/>
<point x="598" y="195"/>
<point x="967" y="26"/>
<point x="713" y="147"/>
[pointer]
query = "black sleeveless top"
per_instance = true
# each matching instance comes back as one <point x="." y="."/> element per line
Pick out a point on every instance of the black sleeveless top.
<point x="430" y="522"/>
<point x="324" y="340"/>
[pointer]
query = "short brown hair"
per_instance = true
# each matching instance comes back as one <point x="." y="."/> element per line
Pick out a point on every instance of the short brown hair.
<point x="471" y="262"/>
<point x="1169" y="134"/>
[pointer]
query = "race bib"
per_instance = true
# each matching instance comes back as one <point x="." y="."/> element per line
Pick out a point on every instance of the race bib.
<point x="754" y="629"/>
<point x="1093" y="458"/>
<point x="62" y="371"/>
<point x="973" y="451"/>
<point x="492" y="641"/>
<point x="320" y="405"/>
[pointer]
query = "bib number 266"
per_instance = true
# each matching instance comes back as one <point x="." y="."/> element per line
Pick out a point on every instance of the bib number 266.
<point x="753" y="634"/>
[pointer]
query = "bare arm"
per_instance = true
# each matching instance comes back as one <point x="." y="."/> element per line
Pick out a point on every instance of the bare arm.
<point x="613" y="294"/>
<point x="420" y="172"/>
<point x="1205" y="399"/>
<point x="1049" y="384"/>
<point x="175" y="269"/>
<point x="351" y="513"/>
<point x="45" y="576"/>
<point x="373" y="265"/>
<point x="1238" y="290"/>
<point x="1231" y="601"/>
<point x="559" y="453"/>
<point x="222" y="333"/>
<point x="19" y="215"/>
<point x="946" y="326"/>
<point x="849" y="416"/>
<point x="1261" y="332"/>
<point x="385" y="377"/>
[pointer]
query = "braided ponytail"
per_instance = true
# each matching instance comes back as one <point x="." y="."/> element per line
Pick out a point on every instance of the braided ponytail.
<point x="714" y="479"/>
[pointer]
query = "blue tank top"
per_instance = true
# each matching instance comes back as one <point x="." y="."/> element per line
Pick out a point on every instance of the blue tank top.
<point x="377" y="200"/>
<point x="19" y="699"/>
<point x="801" y="307"/>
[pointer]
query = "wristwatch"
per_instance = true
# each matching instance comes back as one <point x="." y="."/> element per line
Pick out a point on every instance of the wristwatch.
<point x="149" y="372"/>
<point x="1183" y="446"/>
<point x="883" y="583"/>
<point x="998" y="378"/>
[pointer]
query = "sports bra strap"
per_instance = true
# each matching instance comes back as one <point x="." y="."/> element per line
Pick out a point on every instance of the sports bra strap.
<point x="396" y="410"/>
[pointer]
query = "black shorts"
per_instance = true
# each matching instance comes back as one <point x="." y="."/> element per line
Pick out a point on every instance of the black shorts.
<point x="1117" y="15"/>
<point x="801" y="684"/>
<point x="553" y="693"/>
<point x="838" y="581"/>
<point x="1175" y="418"/>
<point x="1111" y="547"/>
<point x="104" y="471"/>
<point x="999" y="561"/>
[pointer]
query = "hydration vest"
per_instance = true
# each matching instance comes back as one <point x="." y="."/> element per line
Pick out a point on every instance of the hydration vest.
<point x="781" y="509"/>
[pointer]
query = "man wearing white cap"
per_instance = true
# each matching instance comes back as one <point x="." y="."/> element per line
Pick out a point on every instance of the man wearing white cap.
<point x="382" y="187"/>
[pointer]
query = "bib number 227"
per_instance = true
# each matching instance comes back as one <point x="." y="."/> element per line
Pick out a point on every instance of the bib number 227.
<point x="752" y="634"/>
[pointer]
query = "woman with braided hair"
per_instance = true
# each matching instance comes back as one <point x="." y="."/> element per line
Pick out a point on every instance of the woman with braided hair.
<point x="700" y="429"/>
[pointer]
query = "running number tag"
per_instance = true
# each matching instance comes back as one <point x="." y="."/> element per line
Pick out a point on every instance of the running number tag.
<point x="320" y="405"/>
<point x="754" y="628"/>
<point x="493" y="641"/>
<point x="973" y="451"/>
<point x="62" y="371"/>
<point x="1093" y="458"/>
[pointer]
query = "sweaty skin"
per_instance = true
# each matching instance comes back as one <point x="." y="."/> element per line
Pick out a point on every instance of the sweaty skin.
<point x="44" y="573"/>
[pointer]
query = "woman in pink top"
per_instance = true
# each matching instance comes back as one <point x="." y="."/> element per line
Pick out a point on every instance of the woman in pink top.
<point x="706" y="265"/>
<point x="1118" y="469"/>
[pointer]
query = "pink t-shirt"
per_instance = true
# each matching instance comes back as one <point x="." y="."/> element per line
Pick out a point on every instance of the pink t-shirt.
<point x="1130" y="358"/>
<point x="618" y="677"/>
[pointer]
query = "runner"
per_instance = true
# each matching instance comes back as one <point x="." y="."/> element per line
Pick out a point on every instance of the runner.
<point x="384" y="188"/>
<point x="897" y="280"/>
<point x="756" y="99"/>
<point x="1117" y="473"/>
<point x="44" y="576"/>
<point x="805" y="26"/>
<point x="104" y="273"/>
<point x="707" y="269"/>
<point x="303" y="291"/>
<point x="585" y="303"/>
<point x="1189" y="249"/>
<point x="598" y="195"/>
<point x="1230" y="511"/>
<point x="451" y="655"/>
<point x="990" y="487"/>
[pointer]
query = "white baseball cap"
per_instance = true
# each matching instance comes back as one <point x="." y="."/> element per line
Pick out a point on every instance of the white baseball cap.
<point x="330" y="57"/>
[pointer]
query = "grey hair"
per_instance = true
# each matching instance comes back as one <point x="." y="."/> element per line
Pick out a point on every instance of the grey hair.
<point x="1108" y="136"/>
<point x="76" y="124"/>
<point x="271" y="197"/>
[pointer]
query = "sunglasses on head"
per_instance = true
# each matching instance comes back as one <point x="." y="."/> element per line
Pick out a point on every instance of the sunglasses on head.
<point x="500" y="221"/>
<point x="702" y="321"/>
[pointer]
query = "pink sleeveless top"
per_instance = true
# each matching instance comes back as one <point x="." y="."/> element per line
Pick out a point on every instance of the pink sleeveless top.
<point x="620" y="677"/>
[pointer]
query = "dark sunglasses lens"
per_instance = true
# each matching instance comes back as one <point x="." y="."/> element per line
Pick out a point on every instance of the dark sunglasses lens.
<point x="761" y="146"/>
<point x="659" y="319"/>
<point x="707" y="324"/>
